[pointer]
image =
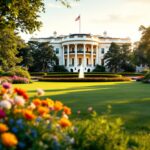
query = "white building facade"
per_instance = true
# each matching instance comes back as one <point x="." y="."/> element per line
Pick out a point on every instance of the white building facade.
<point x="86" y="49"/>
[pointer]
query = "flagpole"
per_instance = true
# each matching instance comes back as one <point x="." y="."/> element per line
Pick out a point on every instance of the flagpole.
<point x="80" y="24"/>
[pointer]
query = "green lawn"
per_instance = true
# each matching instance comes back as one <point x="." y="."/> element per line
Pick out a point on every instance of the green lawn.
<point x="130" y="100"/>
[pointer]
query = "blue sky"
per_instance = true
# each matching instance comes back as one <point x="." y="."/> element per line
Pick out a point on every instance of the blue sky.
<point x="120" y="18"/>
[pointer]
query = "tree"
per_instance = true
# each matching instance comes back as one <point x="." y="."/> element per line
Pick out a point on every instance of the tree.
<point x="43" y="55"/>
<point x="26" y="54"/>
<point x="118" y="57"/>
<point x="9" y="45"/>
<point x="112" y="57"/>
<point x="142" y="49"/>
<point x="23" y="15"/>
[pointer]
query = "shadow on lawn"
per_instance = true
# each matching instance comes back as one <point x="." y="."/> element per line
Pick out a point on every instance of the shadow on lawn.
<point x="130" y="101"/>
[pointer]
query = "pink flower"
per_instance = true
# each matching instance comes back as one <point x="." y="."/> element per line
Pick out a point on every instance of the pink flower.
<point x="78" y="112"/>
<point x="2" y="114"/>
<point x="7" y="85"/>
<point x="19" y="101"/>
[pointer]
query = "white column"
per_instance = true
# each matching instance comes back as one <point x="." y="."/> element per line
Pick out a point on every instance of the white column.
<point x="67" y="55"/>
<point x="84" y="55"/>
<point x="92" y="55"/>
<point x="97" y="55"/>
<point x="63" y="50"/>
<point x="76" y="55"/>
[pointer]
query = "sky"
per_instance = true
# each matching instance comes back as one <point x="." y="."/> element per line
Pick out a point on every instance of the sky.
<point x="119" y="18"/>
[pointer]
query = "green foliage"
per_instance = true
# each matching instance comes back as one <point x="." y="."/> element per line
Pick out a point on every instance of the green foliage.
<point x="9" y="45"/>
<point x="42" y="55"/>
<point x="27" y="58"/>
<point x="147" y="78"/>
<point x="19" y="71"/>
<point x="99" y="68"/>
<point x="88" y="79"/>
<point x="58" y="68"/>
<point x="21" y="15"/>
<point x="100" y="133"/>
<point x="118" y="57"/>
<point x="142" y="50"/>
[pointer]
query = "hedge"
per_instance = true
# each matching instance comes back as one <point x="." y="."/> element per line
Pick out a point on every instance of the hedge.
<point x="85" y="79"/>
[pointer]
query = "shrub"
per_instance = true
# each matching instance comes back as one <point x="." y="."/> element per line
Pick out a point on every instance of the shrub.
<point x="19" y="71"/>
<point x="99" y="68"/>
<point x="100" y="133"/>
<point x="88" y="79"/>
<point x="17" y="79"/>
<point x="58" y="68"/>
<point x="38" y="73"/>
<point x="146" y="79"/>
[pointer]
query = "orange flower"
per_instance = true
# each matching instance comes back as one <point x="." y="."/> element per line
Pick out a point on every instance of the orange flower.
<point x="21" y="93"/>
<point x="37" y="102"/>
<point x="58" y="106"/>
<point x="43" y="110"/>
<point x="67" y="110"/>
<point x="3" y="91"/>
<point x="64" y="122"/>
<point x="44" y="103"/>
<point x="17" y="111"/>
<point x="28" y="114"/>
<point x="9" y="139"/>
<point x="3" y="127"/>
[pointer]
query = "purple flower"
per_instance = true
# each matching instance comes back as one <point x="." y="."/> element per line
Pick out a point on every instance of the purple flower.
<point x="7" y="85"/>
<point x="2" y="114"/>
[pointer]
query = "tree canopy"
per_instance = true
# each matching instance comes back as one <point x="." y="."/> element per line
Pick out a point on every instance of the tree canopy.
<point x="118" y="57"/>
<point x="38" y="56"/>
<point x="142" y="49"/>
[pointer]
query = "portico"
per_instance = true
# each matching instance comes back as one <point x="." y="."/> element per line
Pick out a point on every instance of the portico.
<point x="79" y="53"/>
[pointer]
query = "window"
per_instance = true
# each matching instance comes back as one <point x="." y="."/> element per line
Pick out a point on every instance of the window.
<point x="72" y="61"/>
<point x="57" y="50"/>
<point x="102" y="50"/>
<point x="94" y="62"/>
<point x="80" y="61"/>
<point x="102" y="62"/>
<point x="65" y="62"/>
<point x="87" y="61"/>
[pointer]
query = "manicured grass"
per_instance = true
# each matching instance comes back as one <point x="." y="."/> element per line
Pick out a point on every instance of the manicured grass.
<point x="129" y="100"/>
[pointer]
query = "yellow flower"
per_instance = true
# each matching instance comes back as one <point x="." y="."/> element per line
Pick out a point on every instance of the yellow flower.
<point x="50" y="102"/>
<point x="64" y="122"/>
<point x="3" y="127"/>
<point x="58" y="106"/>
<point x="9" y="139"/>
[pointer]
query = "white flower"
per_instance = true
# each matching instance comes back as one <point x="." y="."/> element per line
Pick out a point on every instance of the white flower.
<point x="90" y="109"/>
<point x="19" y="101"/>
<point x="40" y="92"/>
<point x="5" y="104"/>
<point x="32" y="106"/>
<point x="5" y="97"/>
<point x="65" y="116"/>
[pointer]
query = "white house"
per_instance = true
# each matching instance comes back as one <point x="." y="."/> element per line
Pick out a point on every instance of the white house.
<point x="76" y="49"/>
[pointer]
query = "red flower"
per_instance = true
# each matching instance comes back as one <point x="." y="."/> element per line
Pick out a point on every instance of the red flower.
<point x="21" y="93"/>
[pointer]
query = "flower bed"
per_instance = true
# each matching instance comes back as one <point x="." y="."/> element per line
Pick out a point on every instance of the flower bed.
<point x="36" y="124"/>
<point x="87" y="79"/>
<point x="15" y="80"/>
